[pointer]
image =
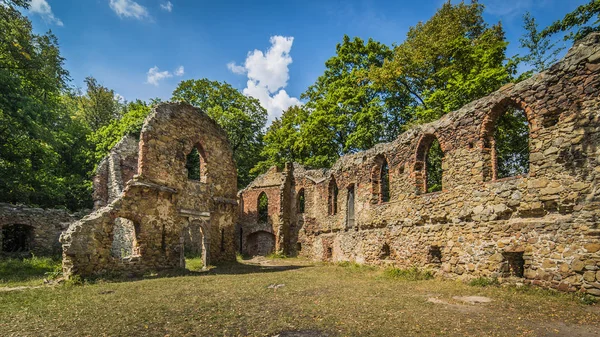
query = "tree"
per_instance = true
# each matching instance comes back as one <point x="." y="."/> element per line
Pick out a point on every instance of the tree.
<point x="99" y="105"/>
<point x="129" y="124"/>
<point x="345" y="108"/>
<point x="542" y="52"/>
<point x="40" y="144"/>
<point x="577" y="20"/>
<point x="447" y="62"/>
<point x="242" y="117"/>
<point x="283" y="141"/>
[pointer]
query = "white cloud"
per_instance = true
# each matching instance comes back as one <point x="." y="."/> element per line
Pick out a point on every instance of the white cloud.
<point x="507" y="8"/>
<point x="168" y="6"/>
<point x="119" y="98"/>
<point x="42" y="8"/>
<point x="154" y="75"/>
<point x="268" y="75"/>
<point x="129" y="9"/>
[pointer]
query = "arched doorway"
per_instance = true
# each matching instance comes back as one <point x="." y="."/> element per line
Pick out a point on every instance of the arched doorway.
<point x="260" y="243"/>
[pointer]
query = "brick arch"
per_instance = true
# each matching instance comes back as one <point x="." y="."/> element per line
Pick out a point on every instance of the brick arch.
<point x="420" y="159"/>
<point x="377" y="193"/>
<point x="488" y="128"/>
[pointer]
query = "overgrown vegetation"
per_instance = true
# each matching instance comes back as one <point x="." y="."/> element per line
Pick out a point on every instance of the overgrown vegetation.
<point x="484" y="282"/>
<point x="410" y="274"/>
<point x="28" y="271"/>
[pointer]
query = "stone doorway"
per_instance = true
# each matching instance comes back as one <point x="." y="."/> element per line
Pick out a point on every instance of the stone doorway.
<point x="260" y="243"/>
<point x="17" y="238"/>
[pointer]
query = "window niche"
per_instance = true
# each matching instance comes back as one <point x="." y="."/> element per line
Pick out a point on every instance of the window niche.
<point x="301" y="201"/>
<point x="332" y="197"/>
<point x="513" y="264"/>
<point x="263" y="208"/>
<point x="17" y="238"/>
<point x="196" y="164"/>
<point x="428" y="165"/>
<point x="380" y="179"/>
<point x="506" y="142"/>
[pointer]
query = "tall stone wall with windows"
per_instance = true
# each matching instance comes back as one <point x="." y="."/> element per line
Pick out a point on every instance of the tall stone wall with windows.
<point x="147" y="208"/>
<point x="542" y="227"/>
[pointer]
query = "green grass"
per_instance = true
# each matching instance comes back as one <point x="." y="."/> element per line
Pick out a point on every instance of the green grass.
<point x="484" y="282"/>
<point x="344" y="299"/>
<point x="194" y="264"/>
<point x="410" y="274"/>
<point x="29" y="271"/>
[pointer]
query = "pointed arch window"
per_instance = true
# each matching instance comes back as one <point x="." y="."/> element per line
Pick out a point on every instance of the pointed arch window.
<point x="428" y="165"/>
<point x="263" y="208"/>
<point x="196" y="164"/>
<point x="380" y="179"/>
<point x="332" y="197"/>
<point x="506" y="141"/>
<point x="301" y="202"/>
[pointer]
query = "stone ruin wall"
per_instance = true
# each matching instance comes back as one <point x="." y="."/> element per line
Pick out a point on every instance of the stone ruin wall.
<point x="145" y="206"/>
<point x="477" y="225"/>
<point x="43" y="227"/>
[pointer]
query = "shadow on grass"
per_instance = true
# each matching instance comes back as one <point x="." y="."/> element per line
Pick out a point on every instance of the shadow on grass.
<point x="224" y="268"/>
<point x="15" y="270"/>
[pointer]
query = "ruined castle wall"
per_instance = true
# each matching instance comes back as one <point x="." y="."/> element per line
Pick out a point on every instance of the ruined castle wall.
<point x="546" y="221"/>
<point x="38" y="232"/>
<point x="161" y="202"/>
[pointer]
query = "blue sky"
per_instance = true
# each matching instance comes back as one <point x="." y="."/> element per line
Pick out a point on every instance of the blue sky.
<point x="143" y="48"/>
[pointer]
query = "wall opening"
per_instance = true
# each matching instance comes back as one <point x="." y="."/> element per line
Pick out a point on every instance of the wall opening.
<point x="350" y="207"/>
<point x="260" y="243"/>
<point x="511" y="144"/>
<point x="298" y="247"/>
<point x="513" y="264"/>
<point x="380" y="180"/>
<point x="196" y="164"/>
<point x="332" y="197"/>
<point x="263" y="208"/>
<point x="17" y="238"/>
<point x="384" y="252"/>
<point x="222" y="240"/>
<point x="435" y="254"/>
<point x="506" y="136"/>
<point x="328" y="253"/>
<point x="428" y="165"/>
<point x="301" y="201"/>
<point x="125" y="238"/>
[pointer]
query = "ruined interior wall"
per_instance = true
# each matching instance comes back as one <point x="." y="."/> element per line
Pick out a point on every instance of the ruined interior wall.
<point x="46" y="225"/>
<point x="160" y="201"/>
<point x="272" y="184"/>
<point x="550" y="215"/>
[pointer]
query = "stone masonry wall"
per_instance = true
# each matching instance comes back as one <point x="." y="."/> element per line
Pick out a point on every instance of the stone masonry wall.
<point x="158" y="204"/>
<point x="542" y="228"/>
<point x="44" y="226"/>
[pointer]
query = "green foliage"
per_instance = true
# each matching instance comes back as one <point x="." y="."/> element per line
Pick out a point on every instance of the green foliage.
<point x="512" y="143"/>
<point x="194" y="264"/>
<point x="277" y="255"/>
<point x="356" y="267"/>
<point x="588" y="299"/>
<point x="575" y="22"/>
<point x="446" y="62"/>
<point x="192" y="164"/>
<point x="14" y="270"/>
<point x="484" y="282"/>
<point x="41" y="162"/>
<point x="542" y="52"/>
<point x="263" y="208"/>
<point x="99" y="105"/>
<point x="410" y="274"/>
<point x="240" y="116"/>
<point x="433" y="162"/>
<point x="109" y="135"/>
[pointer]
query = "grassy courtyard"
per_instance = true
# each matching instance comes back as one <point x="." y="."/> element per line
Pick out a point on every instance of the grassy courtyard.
<point x="290" y="297"/>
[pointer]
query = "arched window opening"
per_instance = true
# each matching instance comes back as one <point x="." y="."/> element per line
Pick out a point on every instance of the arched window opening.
<point x="511" y="144"/>
<point x="380" y="178"/>
<point x="301" y="201"/>
<point x="332" y="197"/>
<point x="263" y="208"/>
<point x="350" y="207"/>
<point x="125" y="238"/>
<point x="196" y="164"/>
<point x="384" y="182"/>
<point x="428" y="165"/>
<point x="17" y="238"/>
